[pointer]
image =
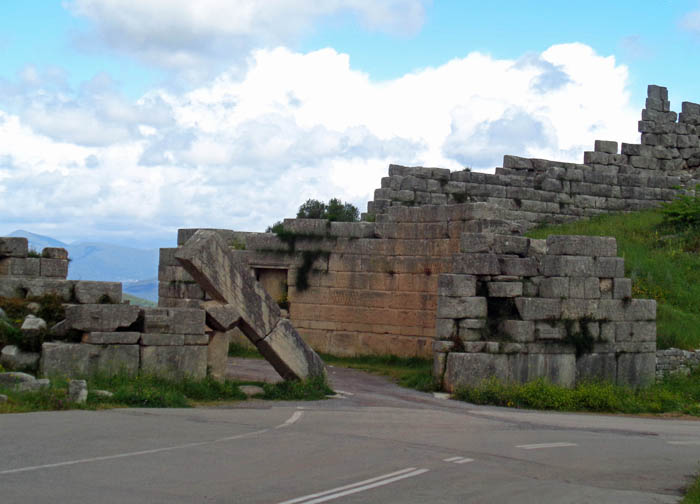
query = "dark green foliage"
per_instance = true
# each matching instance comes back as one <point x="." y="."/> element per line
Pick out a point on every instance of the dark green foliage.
<point x="579" y="337"/>
<point x="33" y="253"/>
<point x="277" y="228"/>
<point x="312" y="389"/>
<point x="460" y="197"/>
<point x="684" y="211"/>
<point x="335" y="210"/>
<point x="308" y="259"/>
<point x="679" y="394"/>
<point x="692" y="495"/>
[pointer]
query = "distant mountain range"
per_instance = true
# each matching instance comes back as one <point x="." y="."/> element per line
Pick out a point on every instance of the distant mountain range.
<point x="136" y="268"/>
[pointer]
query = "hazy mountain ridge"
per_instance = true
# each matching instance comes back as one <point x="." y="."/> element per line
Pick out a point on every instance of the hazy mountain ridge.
<point x="136" y="268"/>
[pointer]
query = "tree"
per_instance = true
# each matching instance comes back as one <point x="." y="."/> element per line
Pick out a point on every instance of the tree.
<point x="334" y="210"/>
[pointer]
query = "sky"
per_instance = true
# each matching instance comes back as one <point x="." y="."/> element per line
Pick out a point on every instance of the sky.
<point x="124" y="120"/>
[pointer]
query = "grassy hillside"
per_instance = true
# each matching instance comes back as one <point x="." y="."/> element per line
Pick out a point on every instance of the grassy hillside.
<point x="663" y="262"/>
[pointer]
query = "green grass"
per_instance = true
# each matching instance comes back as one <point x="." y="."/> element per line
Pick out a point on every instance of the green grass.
<point x="410" y="372"/>
<point x="676" y="394"/>
<point x="243" y="351"/>
<point x="692" y="495"/>
<point x="663" y="263"/>
<point x="135" y="300"/>
<point x="153" y="392"/>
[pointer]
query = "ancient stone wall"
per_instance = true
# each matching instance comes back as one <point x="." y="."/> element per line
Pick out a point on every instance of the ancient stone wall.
<point x="559" y="309"/>
<point x="675" y="361"/>
<point x="101" y="334"/>
<point x="637" y="177"/>
<point x="372" y="287"/>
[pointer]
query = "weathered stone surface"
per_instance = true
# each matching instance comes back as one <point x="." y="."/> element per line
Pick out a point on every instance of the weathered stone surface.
<point x="77" y="391"/>
<point x="3" y="398"/>
<point x="470" y="369"/>
<point x="571" y="266"/>
<point x="22" y="267"/>
<point x="596" y="366"/>
<point x="538" y="308"/>
<point x="98" y="292"/>
<point x="31" y="386"/>
<point x="14" y="247"/>
<point x="459" y="308"/>
<point x="221" y="317"/>
<point x="505" y="289"/>
<point x="32" y="328"/>
<point x="155" y="339"/>
<point x="291" y="357"/>
<point x="173" y="320"/>
<point x="101" y="393"/>
<point x="518" y="330"/>
<point x="457" y="285"/>
<point x="206" y="257"/>
<point x="13" y="358"/>
<point x="196" y="339"/>
<point x="12" y="378"/>
<point x="174" y="362"/>
<point x="217" y="355"/>
<point x="559" y="369"/>
<point x="573" y="245"/>
<point x="112" y="338"/>
<point x="636" y="369"/>
<point x="81" y="359"/>
<point x="54" y="253"/>
<point x="101" y="317"/>
<point x="56" y="268"/>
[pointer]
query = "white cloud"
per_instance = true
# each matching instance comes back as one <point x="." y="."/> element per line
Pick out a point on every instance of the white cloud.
<point x="183" y="34"/>
<point x="243" y="152"/>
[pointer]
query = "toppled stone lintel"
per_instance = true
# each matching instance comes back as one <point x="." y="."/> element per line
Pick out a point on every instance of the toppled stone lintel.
<point x="244" y="303"/>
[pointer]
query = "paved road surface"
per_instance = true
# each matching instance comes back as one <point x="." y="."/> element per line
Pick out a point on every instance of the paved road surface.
<point x="375" y="443"/>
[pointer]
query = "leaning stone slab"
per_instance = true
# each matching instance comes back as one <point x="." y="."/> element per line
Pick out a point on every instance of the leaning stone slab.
<point x="222" y="317"/>
<point x="101" y="317"/>
<point x="209" y="260"/>
<point x="98" y="292"/>
<point x="291" y="357"/>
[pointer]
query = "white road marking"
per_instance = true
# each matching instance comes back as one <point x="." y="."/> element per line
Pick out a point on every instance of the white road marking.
<point x="295" y="416"/>
<point x="688" y="443"/>
<point x="360" y="486"/>
<point x="441" y="395"/>
<point x="345" y="393"/>
<point x="544" y="445"/>
<point x="458" y="460"/>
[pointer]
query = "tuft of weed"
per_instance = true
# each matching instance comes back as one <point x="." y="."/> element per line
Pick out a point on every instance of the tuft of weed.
<point x="306" y="390"/>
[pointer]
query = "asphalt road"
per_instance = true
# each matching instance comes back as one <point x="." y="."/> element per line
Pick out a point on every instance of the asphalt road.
<point x="374" y="443"/>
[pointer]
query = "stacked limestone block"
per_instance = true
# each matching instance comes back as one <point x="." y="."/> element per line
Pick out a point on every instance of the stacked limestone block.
<point x="639" y="176"/>
<point x="676" y="361"/>
<point x="372" y="286"/>
<point x="521" y="309"/>
<point x="171" y="343"/>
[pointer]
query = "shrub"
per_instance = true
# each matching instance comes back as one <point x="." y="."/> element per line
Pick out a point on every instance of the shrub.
<point x="684" y="211"/>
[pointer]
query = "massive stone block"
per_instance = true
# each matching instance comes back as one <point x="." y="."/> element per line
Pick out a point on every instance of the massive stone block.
<point x="175" y="362"/>
<point x="98" y="292"/>
<point x="14" y="247"/>
<point x="470" y="369"/>
<point x="80" y="359"/>
<point x="101" y="317"/>
<point x="173" y="320"/>
<point x="208" y="259"/>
